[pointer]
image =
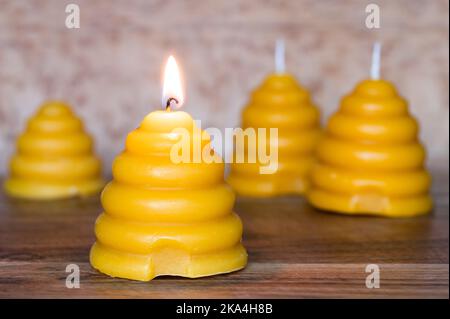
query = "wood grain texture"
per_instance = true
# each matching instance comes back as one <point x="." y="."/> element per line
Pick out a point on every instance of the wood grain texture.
<point x="294" y="251"/>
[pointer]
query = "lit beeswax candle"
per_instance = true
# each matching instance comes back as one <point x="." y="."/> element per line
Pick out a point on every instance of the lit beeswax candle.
<point x="279" y="103"/>
<point x="54" y="158"/>
<point x="163" y="218"/>
<point x="370" y="161"/>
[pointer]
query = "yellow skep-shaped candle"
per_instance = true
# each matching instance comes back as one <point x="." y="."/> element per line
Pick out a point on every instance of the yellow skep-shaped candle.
<point x="166" y="218"/>
<point x="370" y="160"/>
<point x="281" y="103"/>
<point x="54" y="158"/>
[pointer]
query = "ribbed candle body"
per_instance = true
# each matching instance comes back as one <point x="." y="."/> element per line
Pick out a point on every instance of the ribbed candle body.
<point x="166" y="218"/>
<point x="283" y="104"/>
<point x="370" y="160"/>
<point x="54" y="158"/>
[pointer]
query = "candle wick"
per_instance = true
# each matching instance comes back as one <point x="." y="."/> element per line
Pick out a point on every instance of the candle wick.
<point x="280" y="64"/>
<point x="169" y="102"/>
<point x="376" y="57"/>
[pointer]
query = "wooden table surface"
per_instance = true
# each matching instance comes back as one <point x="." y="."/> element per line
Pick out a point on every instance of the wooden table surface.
<point x="294" y="251"/>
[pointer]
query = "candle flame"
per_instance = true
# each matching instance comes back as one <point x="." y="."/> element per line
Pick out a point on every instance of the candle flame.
<point x="172" y="90"/>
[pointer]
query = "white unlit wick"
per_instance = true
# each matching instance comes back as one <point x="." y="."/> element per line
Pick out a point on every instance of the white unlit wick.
<point x="376" y="57"/>
<point x="280" y="64"/>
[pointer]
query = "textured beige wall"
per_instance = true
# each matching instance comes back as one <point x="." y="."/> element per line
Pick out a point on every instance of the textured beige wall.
<point x="110" y="69"/>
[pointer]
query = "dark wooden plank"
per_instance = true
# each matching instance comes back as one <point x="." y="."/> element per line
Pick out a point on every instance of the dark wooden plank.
<point x="294" y="251"/>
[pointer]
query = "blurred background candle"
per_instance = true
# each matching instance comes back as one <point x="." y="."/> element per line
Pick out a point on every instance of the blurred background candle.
<point x="54" y="157"/>
<point x="370" y="160"/>
<point x="281" y="103"/>
<point x="166" y="218"/>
